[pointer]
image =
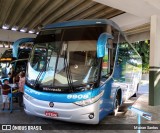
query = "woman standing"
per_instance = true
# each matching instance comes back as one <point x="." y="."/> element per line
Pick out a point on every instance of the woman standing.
<point x="21" y="87"/>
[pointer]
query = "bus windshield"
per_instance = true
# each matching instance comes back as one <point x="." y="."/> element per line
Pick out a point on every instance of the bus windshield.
<point x="7" y="54"/>
<point x="4" y="69"/>
<point x="63" y="58"/>
<point x="5" y="59"/>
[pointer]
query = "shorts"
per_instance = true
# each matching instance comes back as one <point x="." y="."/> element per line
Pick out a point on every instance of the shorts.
<point x="5" y="98"/>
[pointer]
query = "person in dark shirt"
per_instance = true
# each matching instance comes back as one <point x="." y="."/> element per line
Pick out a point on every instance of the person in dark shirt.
<point x="5" y="91"/>
<point x="0" y="87"/>
<point x="10" y="78"/>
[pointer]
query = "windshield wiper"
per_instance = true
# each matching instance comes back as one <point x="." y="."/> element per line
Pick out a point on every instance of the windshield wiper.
<point x="38" y="77"/>
<point x="43" y="69"/>
<point x="68" y="72"/>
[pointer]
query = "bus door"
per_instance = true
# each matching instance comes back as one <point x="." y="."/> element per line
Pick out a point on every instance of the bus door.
<point x="106" y="76"/>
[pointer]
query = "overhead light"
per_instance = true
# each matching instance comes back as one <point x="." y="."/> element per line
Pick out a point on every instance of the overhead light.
<point x="98" y="22"/>
<point x="37" y="33"/>
<point x="15" y="28"/>
<point x="5" y="26"/>
<point x="23" y="29"/>
<point x="32" y="31"/>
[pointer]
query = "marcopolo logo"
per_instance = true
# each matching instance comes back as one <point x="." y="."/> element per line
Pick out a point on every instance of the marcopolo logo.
<point x="51" y="104"/>
<point x="79" y="96"/>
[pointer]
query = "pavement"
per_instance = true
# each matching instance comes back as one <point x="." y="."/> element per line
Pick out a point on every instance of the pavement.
<point x="124" y="117"/>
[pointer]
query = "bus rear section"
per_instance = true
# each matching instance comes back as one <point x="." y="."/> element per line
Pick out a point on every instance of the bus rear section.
<point x="15" y="57"/>
<point x="5" y="59"/>
<point x="71" y="73"/>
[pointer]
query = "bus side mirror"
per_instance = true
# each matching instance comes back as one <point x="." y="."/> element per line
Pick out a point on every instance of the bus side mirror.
<point x="102" y="43"/>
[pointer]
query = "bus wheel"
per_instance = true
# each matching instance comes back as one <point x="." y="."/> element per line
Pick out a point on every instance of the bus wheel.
<point x="116" y="107"/>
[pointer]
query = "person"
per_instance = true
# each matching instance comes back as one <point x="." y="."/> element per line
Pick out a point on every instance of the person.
<point x="10" y="78"/>
<point x="13" y="77"/>
<point x="12" y="71"/>
<point x="16" y="79"/>
<point x="21" y="87"/>
<point x="0" y="87"/>
<point x="5" y="91"/>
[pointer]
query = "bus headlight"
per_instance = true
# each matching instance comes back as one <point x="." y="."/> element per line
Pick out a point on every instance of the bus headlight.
<point x="90" y="101"/>
<point x="28" y="97"/>
<point x="84" y="88"/>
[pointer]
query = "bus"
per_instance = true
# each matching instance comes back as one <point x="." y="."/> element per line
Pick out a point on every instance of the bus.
<point x="84" y="70"/>
<point x="5" y="59"/>
<point x="19" y="51"/>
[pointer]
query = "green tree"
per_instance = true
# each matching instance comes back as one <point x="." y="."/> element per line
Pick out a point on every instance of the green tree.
<point x="143" y="49"/>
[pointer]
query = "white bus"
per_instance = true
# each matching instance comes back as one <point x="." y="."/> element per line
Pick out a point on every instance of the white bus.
<point x="80" y="71"/>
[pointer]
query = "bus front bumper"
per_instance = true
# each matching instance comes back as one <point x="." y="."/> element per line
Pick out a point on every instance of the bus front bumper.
<point x="63" y="111"/>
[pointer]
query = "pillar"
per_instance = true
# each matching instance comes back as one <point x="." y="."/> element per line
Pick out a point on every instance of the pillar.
<point x="154" y="72"/>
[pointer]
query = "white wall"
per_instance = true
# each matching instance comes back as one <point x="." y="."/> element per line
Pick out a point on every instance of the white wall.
<point x="11" y="36"/>
<point x="128" y="21"/>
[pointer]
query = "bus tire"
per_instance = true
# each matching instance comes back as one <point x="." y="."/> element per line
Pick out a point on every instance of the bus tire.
<point x="136" y="93"/>
<point x="116" y="106"/>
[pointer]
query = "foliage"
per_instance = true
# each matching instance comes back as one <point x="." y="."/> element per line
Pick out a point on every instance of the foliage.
<point x="143" y="49"/>
<point x="105" y="58"/>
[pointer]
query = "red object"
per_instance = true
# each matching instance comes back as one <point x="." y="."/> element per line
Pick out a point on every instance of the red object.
<point x="105" y="65"/>
<point x="51" y="113"/>
<point x="6" y="89"/>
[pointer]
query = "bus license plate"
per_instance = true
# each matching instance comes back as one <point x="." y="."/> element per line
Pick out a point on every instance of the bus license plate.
<point x="51" y="113"/>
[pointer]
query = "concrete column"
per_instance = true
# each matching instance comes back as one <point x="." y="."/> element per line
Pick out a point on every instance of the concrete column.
<point x="154" y="73"/>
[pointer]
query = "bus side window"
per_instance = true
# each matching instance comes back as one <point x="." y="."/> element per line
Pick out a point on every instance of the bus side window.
<point x="105" y="65"/>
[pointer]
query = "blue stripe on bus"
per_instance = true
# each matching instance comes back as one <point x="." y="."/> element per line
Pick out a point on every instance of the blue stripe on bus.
<point x="60" y="97"/>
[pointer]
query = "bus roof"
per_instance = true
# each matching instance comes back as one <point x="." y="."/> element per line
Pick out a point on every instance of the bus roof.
<point x="22" y="40"/>
<point x="84" y="22"/>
